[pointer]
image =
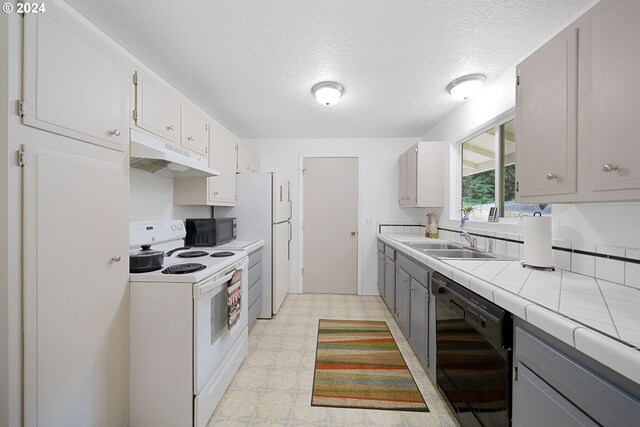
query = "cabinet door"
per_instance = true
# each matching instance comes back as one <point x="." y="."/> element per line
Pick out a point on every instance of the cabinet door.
<point x="244" y="159"/>
<point x="546" y="108"/>
<point x="535" y="403"/>
<point x="75" y="84"/>
<point x="412" y="176"/>
<point x="390" y="283"/>
<point x="403" y="179"/>
<point x="403" y="296"/>
<point x="381" y="259"/>
<point x="616" y="95"/>
<point x="419" y="320"/>
<point x="157" y="108"/>
<point x="255" y="163"/>
<point x="222" y="157"/>
<point x="195" y="130"/>
<point x="75" y="290"/>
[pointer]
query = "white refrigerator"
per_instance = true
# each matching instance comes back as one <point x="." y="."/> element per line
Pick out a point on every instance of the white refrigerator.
<point x="263" y="211"/>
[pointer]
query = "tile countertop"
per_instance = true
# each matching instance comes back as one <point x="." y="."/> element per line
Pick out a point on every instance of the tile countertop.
<point x="599" y="318"/>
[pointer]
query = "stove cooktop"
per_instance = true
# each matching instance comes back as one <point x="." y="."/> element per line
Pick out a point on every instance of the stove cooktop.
<point x="184" y="268"/>
<point x="192" y="254"/>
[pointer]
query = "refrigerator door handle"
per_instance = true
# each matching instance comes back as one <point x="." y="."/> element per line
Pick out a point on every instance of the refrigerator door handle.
<point x="289" y="242"/>
<point x="290" y="209"/>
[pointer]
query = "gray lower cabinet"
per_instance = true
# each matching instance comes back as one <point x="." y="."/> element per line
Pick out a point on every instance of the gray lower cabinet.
<point x="413" y="308"/>
<point x="403" y="300"/>
<point x="381" y="259"/>
<point x="419" y="321"/>
<point x="555" y="385"/>
<point x="254" y="299"/>
<point x="390" y="279"/>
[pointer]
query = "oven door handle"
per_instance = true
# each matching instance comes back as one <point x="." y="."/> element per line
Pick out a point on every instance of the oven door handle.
<point x="200" y="290"/>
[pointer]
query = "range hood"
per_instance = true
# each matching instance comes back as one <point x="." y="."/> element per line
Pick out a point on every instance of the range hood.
<point x="166" y="159"/>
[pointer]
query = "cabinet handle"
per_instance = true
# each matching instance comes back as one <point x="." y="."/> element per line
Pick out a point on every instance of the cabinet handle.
<point x="551" y="176"/>
<point x="116" y="258"/>
<point x="171" y="127"/>
<point x="215" y="194"/>
<point x="609" y="168"/>
<point x="114" y="132"/>
<point x="190" y="138"/>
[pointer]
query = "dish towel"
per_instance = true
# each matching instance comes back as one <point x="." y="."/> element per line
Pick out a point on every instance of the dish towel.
<point x="233" y="301"/>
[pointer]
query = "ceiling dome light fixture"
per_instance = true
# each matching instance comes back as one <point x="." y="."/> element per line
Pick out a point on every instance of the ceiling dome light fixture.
<point x="327" y="93"/>
<point x="466" y="86"/>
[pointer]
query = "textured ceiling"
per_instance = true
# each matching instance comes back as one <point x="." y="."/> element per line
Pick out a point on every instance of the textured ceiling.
<point x="251" y="63"/>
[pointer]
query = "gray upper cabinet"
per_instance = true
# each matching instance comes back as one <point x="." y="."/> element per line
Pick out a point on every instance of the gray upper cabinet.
<point x="422" y="175"/>
<point x="615" y="63"/>
<point x="75" y="83"/>
<point x="546" y="109"/>
<point x="576" y="111"/>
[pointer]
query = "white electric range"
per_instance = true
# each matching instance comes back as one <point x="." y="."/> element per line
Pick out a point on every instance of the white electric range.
<point x="184" y="353"/>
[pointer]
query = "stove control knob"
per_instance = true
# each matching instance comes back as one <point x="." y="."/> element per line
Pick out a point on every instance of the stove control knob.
<point x="180" y="227"/>
<point x="174" y="227"/>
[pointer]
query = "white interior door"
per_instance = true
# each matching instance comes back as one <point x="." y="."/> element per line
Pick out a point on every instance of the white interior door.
<point x="330" y="225"/>
<point x="75" y="293"/>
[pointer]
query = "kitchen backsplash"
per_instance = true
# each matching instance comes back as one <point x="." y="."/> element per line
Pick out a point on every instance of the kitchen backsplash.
<point x="611" y="263"/>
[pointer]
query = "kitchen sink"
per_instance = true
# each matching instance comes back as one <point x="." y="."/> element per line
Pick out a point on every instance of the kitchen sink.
<point x="463" y="254"/>
<point x="433" y="245"/>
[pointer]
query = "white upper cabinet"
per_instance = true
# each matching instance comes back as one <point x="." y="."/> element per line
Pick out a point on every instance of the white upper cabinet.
<point x="158" y="108"/>
<point x="422" y="175"/>
<point x="403" y="179"/>
<point x="222" y="189"/>
<point x="546" y="109"/>
<point x="615" y="69"/>
<point x="248" y="161"/>
<point x="576" y="109"/>
<point x="412" y="176"/>
<point x="195" y="130"/>
<point x="244" y="159"/>
<point x="218" y="190"/>
<point x="75" y="83"/>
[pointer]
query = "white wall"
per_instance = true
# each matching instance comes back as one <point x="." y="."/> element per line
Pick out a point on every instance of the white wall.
<point x="151" y="197"/>
<point x="378" y="190"/>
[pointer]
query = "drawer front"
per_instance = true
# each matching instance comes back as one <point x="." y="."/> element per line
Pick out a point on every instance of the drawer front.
<point x="255" y="291"/>
<point x="255" y="257"/>
<point x="603" y="401"/>
<point x="390" y="252"/>
<point x="255" y="273"/>
<point x="416" y="271"/>
<point x="254" y="311"/>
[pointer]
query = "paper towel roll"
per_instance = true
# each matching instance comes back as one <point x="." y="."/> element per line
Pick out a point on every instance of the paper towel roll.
<point x="537" y="241"/>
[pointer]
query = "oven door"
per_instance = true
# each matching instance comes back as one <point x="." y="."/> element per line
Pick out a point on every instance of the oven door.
<point x="213" y="339"/>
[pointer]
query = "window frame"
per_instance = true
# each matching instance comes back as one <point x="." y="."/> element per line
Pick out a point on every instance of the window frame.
<point x="456" y="167"/>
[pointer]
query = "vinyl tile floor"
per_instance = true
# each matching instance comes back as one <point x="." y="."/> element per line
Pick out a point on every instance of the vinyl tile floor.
<point x="273" y="385"/>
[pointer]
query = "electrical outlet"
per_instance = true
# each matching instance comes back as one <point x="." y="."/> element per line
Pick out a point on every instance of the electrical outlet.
<point x="368" y="221"/>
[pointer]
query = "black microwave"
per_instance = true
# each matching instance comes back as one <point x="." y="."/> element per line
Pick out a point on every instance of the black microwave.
<point x="210" y="232"/>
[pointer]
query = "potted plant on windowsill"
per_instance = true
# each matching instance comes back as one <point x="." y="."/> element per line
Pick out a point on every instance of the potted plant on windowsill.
<point x="466" y="211"/>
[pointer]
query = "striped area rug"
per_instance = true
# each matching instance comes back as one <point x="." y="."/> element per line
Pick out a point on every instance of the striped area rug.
<point x="359" y="365"/>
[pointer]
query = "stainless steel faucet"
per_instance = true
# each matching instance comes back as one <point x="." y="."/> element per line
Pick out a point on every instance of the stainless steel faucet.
<point x="472" y="240"/>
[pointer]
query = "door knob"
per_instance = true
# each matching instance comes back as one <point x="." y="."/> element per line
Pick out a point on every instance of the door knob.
<point x="353" y="233"/>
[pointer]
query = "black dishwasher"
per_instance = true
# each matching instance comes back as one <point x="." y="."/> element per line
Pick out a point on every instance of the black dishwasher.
<point x="473" y="354"/>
